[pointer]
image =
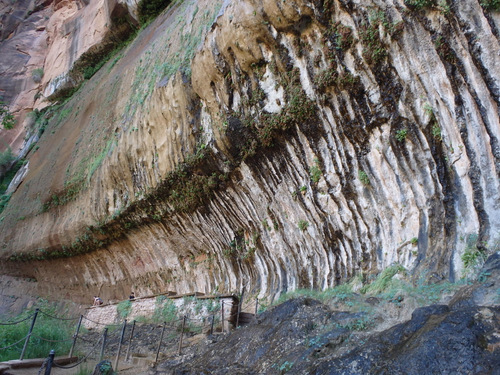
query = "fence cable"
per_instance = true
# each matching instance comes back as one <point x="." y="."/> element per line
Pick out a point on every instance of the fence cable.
<point x="79" y="337"/>
<point x="56" y="317"/>
<point x="102" y="324"/>
<point x="202" y="319"/>
<point x="81" y="360"/>
<point x="19" y="321"/>
<point x="49" y="340"/>
<point x="17" y="342"/>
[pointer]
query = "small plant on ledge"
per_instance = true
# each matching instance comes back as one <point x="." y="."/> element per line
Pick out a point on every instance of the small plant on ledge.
<point x="401" y="134"/>
<point x="303" y="225"/>
<point x="363" y="177"/>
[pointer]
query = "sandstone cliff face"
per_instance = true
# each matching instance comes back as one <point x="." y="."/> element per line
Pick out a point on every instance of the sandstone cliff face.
<point x="306" y="142"/>
<point x="49" y="37"/>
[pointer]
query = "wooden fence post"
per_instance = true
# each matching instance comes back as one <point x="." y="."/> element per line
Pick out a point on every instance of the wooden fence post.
<point x="239" y="308"/>
<point x="130" y="341"/>
<point x="120" y="345"/>
<point x="222" y="316"/>
<point x="159" y="343"/>
<point x="75" y="336"/>
<point x="29" y="334"/>
<point x="182" y="334"/>
<point x="104" y="336"/>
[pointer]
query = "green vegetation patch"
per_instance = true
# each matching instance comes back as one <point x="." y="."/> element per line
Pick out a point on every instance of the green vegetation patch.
<point x="6" y="117"/>
<point x="303" y="225"/>
<point x="420" y="4"/>
<point x="401" y="134"/>
<point x="315" y="171"/>
<point x="374" y="48"/>
<point x="383" y="280"/>
<point x="124" y="308"/>
<point x="149" y="9"/>
<point x="37" y="75"/>
<point x="299" y="111"/>
<point x="165" y="310"/>
<point x="475" y="254"/>
<point x="46" y="328"/>
<point x="342" y="35"/>
<point x="62" y="197"/>
<point x="363" y="177"/>
<point x="6" y="159"/>
<point x="492" y="5"/>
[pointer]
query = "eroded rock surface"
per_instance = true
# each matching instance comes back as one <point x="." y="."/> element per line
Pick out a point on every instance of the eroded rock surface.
<point x="306" y="142"/>
<point x="435" y="340"/>
<point x="40" y="42"/>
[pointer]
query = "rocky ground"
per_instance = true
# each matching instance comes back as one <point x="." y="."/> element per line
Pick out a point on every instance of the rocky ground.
<point x="304" y="336"/>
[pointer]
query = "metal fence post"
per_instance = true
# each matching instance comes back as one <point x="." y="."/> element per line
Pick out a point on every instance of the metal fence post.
<point x="120" y="345"/>
<point x="75" y="336"/>
<point x="130" y="341"/>
<point x="212" y="325"/>
<point x="159" y="343"/>
<point x="222" y="316"/>
<point x="29" y="334"/>
<point x="239" y="308"/>
<point x="104" y="335"/>
<point x="182" y="334"/>
<point x="48" y="369"/>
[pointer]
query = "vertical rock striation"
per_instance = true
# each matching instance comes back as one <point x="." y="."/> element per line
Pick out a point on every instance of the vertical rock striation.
<point x="307" y="142"/>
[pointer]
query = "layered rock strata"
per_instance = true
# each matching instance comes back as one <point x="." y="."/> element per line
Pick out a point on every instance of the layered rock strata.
<point x="307" y="142"/>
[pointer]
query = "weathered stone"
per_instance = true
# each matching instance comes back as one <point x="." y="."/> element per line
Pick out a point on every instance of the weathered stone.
<point x="326" y="187"/>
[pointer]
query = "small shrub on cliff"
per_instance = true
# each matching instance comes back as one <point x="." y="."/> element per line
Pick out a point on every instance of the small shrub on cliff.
<point x="124" y="308"/>
<point x="493" y="5"/>
<point x="331" y="78"/>
<point x="326" y="78"/>
<point x="401" y="134"/>
<point x="374" y="50"/>
<point x="315" y="172"/>
<point x="360" y="324"/>
<point x="383" y="280"/>
<point x="343" y="36"/>
<point x="37" y="75"/>
<point x="6" y="158"/>
<point x="149" y="9"/>
<point x="165" y="311"/>
<point x="303" y="225"/>
<point x="474" y="255"/>
<point x="7" y="118"/>
<point x="420" y="4"/>
<point x="298" y="111"/>
<point x="436" y="132"/>
<point x="4" y="199"/>
<point x="363" y="177"/>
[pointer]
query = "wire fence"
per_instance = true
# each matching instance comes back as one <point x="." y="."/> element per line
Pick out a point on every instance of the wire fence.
<point x="117" y="340"/>
<point x="17" y="322"/>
